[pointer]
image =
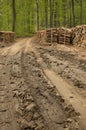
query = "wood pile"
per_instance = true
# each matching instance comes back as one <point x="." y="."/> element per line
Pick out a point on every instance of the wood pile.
<point x="41" y="35"/>
<point x="79" y="36"/>
<point x="75" y="36"/>
<point x="51" y="35"/>
<point x="59" y="35"/>
<point x="7" y="37"/>
<point x="64" y="36"/>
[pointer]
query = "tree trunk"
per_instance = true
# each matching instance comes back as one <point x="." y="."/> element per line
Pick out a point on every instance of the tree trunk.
<point x="51" y="13"/>
<point x="46" y="13"/>
<point x="56" y="14"/>
<point x="64" y="3"/>
<point x="73" y="12"/>
<point x="70" y="14"/>
<point x="80" y="11"/>
<point x="37" y="4"/>
<point x="14" y="15"/>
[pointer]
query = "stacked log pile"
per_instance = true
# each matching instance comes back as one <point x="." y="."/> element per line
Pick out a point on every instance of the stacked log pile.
<point x="59" y="35"/>
<point x="75" y="36"/>
<point x="51" y="35"/>
<point x="64" y="36"/>
<point x="41" y="35"/>
<point x="79" y="36"/>
<point x="7" y="37"/>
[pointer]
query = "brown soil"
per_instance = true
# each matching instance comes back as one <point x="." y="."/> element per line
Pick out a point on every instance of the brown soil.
<point x="42" y="87"/>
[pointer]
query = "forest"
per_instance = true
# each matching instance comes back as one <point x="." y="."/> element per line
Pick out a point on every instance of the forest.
<point x="42" y="64"/>
<point x="27" y="16"/>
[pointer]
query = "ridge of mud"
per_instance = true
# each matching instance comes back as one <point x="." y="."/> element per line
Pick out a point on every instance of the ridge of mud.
<point x="44" y="96"/>
<point x="37" y="104"/>
<point x="66" y="65"/>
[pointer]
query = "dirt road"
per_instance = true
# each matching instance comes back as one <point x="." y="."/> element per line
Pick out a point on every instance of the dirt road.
<point x="42" y="87"/>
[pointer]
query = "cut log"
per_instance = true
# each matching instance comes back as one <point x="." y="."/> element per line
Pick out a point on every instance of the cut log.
<point x="79" y="36"/>
<point x="75" y="36"/>
<point x="6" y="36"/>
<point x="59" y="35"/>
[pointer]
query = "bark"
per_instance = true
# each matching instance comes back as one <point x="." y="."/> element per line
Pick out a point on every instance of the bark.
<point x="80" y="11"/>
<point x="14" y="15"/>
<point x="70" y="14"/>
<point x="55" y="14"/>
<point x="64" y="12"/>
<point x="37" y="4"/>
<point x="46" y="13"/>
<point x="73" y="12"/>
<point x="51" y="13"/>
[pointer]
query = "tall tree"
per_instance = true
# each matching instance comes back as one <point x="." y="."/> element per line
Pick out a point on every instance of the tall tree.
<point x="80" y="11"/>
<point x="55" y="14"/>
<point x="73" y="12"/>
<point x="29" y="15"/>
<point x="46" y="13"/>
<point x="64" y="4"/>
<point x="51" y="13"/>
<point x="14" y="15"/>
<point x="70" y="14"/>
<point x="37" y="5"/>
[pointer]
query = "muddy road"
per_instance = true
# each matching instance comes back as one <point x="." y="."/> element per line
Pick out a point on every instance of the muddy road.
<point x="42" y="87"/>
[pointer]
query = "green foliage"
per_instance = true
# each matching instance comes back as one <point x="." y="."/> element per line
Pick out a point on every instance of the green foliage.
<point x="26" y="15"/>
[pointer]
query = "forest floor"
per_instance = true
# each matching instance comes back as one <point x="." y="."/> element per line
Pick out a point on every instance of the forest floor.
<point x="42" y="87"/>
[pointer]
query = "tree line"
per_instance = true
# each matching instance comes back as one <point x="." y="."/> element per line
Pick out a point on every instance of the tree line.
<point x="26" y="16"/>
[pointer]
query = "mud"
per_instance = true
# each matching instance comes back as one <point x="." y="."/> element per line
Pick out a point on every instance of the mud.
<point x="67" y="64"/>
<point x="28" y="99"/>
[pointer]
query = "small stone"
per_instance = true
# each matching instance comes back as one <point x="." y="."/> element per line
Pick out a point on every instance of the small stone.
<point x="71" y="96"/>
<point x="30" y="107"/>
<point x="69" y="120"/>
<point x="11" y="82"/>
<point x="65" y="126"/>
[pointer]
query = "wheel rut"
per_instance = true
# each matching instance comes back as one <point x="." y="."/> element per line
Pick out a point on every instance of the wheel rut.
<point x="42" y="93"/>
<point x="29" y="96"/>
<point x="49" y="105"/>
